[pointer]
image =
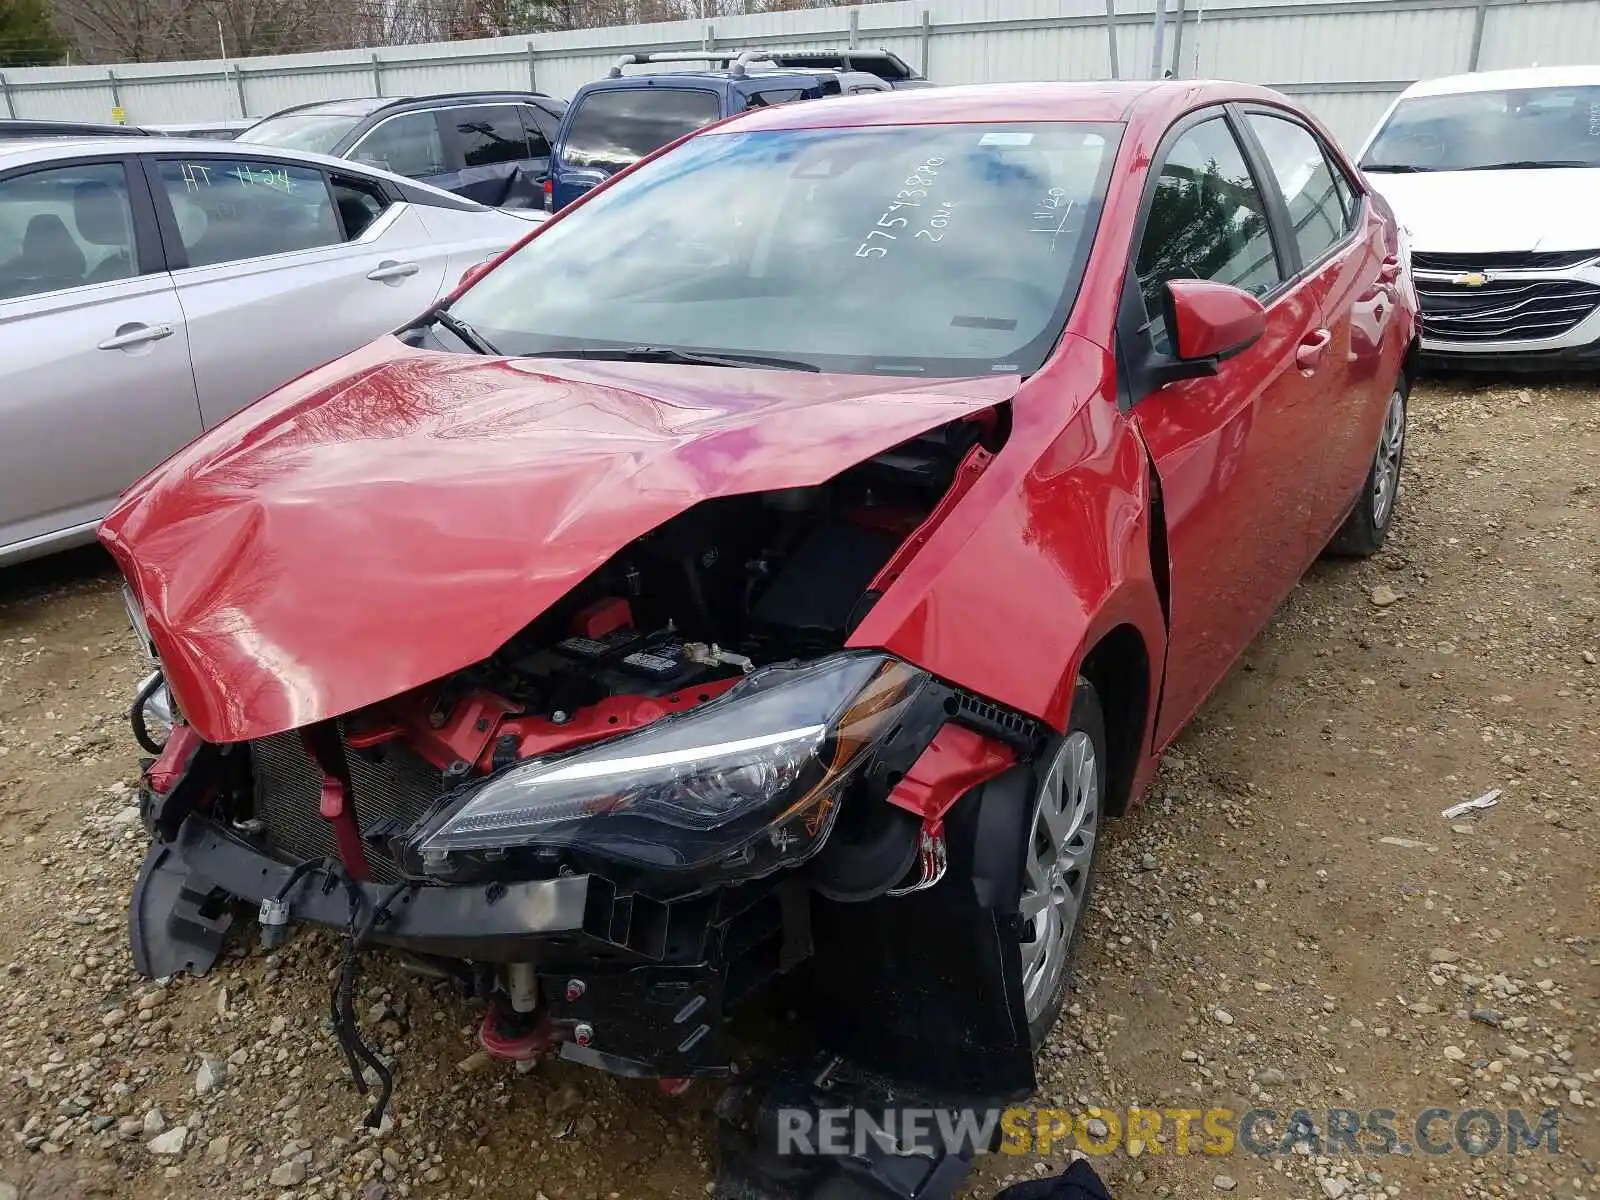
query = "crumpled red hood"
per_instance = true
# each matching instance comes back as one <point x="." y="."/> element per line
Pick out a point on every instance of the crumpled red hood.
<point x="399" y="514"/>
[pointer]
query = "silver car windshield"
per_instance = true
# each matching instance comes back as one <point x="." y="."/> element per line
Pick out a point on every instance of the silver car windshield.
<point x="939" y="250"/>
<point x="1523" y="128"/>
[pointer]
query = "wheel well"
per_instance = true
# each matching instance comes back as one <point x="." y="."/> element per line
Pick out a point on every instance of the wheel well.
<point x="1119" y="669"/>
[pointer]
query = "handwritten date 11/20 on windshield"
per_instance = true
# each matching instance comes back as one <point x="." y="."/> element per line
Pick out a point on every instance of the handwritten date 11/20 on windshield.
<point x="908" y="201"/>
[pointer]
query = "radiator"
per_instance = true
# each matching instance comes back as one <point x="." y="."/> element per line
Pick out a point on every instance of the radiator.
<point x="391" y="787"/>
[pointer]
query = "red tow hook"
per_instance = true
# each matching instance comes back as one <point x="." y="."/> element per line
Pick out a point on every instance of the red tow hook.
<point x="323" y="745"/>
<point x="516" y="1037"/>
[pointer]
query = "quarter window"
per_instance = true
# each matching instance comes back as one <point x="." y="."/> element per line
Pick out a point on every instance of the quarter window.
<point x="775" y="96"/>
<point x="360" y="203"/>
<point x="231" y="209"/>
<point x="1317" y="211"/>
<point x="489" y="135"/>
<point x="1206" y="221"/>
<point x="65" y="228"/>
<point x="408" y="145"/>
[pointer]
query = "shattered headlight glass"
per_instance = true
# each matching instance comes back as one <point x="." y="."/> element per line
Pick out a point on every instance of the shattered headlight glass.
<point x="736" y="788"/>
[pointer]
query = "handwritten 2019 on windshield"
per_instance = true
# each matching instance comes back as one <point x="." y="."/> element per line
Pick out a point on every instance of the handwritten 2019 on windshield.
<point x="912" y="196"/>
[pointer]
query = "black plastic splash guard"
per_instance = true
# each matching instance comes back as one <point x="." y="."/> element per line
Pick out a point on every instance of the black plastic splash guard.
<point x="758" y="1158"/>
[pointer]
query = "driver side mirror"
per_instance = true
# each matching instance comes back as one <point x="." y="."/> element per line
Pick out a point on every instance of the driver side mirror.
<point x="1210" y="321"/>
<point x="1205" y="323"/>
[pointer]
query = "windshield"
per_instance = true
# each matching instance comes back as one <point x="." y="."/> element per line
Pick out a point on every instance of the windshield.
<point x="945" y="250"/>
<point x="317" y="132"/>
<point x="1521" y="128"/>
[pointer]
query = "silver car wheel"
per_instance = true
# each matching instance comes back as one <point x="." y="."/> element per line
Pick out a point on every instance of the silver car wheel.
<point x="1386" y="465"/>
<point x="1056" y="871"/>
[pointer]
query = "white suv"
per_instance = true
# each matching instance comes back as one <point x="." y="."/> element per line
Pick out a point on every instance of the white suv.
<point x="1496" y="176"/>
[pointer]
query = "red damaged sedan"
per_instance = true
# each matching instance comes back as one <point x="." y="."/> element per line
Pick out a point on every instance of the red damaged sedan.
<point x="773" y="572"/>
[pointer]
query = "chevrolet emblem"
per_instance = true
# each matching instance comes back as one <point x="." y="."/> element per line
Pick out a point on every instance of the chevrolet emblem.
<point x="1471" y="279"/>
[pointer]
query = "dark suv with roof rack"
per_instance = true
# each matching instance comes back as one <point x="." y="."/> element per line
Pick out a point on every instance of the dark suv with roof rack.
<point x="492" y="147"/>
<point x="614" y="122"/>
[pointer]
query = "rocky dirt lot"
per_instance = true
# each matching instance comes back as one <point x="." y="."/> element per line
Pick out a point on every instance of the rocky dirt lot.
<point x="1290" y="922"/>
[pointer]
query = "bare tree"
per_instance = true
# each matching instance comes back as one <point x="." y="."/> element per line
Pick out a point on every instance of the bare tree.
<point x="155" y="30"/>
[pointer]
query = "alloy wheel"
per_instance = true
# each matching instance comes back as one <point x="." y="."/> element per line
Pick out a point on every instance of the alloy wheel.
<point x="1056" y="870"/>
<point x="1386" y="465"/>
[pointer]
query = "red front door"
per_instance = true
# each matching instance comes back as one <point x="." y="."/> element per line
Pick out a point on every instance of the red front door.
<point x="1237" y="454"/>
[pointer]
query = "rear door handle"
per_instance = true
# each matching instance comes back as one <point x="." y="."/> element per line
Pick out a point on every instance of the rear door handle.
<point x="1389" y="269"/>
<point x="135" y="334"/>
<point x="1310" y="351"/>
<point x="392" y="272"/>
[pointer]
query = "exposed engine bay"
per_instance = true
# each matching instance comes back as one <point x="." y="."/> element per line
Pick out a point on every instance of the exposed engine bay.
<point x="671" y="622"/>
<point x="731" y="584"/>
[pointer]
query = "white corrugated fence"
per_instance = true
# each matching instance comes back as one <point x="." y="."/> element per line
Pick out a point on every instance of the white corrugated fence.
<point x="1344" y="58"/>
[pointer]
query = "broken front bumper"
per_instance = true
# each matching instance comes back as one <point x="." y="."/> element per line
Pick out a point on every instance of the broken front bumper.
<point x="648" y="981"/>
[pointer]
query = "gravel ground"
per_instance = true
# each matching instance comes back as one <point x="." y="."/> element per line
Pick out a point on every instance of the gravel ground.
<point x="1289" y="922"/>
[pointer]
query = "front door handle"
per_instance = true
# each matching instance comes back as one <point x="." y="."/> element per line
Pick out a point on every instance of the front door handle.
<point x="392" y="272"/>
<point x="1310" y="351"/>
<point x="1389" y="269"/>
<point x="135" y="334"/>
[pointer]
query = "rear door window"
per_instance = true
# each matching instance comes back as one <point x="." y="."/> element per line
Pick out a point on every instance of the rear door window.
<point x="615" y="128"/>
<point x="65" y="227"/>
<point x="408" y="144"/>
<point x="489" y="134"/>
<point x="1318" y="211"/>
<point x="232" y="209"/>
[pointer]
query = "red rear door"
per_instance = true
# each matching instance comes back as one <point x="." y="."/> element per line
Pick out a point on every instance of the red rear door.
<point x="1236" y="453"/>
<point x="1342" y="254"/>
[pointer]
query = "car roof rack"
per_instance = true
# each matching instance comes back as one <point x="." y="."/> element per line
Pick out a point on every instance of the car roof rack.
<point x="805" y="59"/>
<point x="738" y="61"/>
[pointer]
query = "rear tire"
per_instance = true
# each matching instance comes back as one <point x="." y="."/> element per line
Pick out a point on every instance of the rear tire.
<point x="1057" y="866"/>
<point x="1363" y="533"/>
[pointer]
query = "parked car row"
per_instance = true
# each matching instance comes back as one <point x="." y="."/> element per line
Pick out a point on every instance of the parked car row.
<point x="148" y="289"/>
<point x="1491" y="174"/>
<point x="514" y="149"/>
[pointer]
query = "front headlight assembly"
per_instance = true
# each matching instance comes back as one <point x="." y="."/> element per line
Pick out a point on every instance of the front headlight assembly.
<point x="734" y="789"/>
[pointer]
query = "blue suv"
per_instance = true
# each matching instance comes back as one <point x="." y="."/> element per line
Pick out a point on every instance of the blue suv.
<point x="614" y="122"/>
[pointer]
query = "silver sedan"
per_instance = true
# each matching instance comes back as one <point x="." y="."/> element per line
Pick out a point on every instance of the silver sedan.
<point x="150" y="288"/>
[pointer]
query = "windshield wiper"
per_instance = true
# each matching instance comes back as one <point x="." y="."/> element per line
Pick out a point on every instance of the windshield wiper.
<point x="1532" y="165"/>
<point x="668" y="354"/>
<point x="1396" y="168"/>
<point x="466" y="334"/>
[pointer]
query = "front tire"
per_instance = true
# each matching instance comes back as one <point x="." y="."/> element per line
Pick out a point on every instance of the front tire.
<point x="1363" y="533"/>
<point x="1063" y="829"/>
